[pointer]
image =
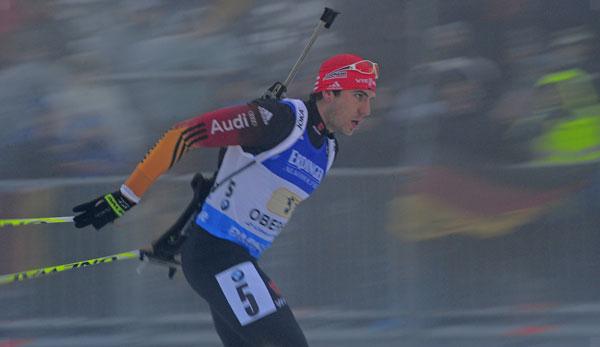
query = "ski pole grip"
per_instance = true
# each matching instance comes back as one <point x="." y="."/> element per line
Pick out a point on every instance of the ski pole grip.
<point x="328" y="17"/>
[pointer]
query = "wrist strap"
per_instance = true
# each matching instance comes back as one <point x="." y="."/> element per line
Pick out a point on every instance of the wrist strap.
<point x="114" y="205"/>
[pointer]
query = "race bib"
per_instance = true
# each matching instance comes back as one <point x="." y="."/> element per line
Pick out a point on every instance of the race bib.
<point x="283" y="202"/>
<point x="246" y="292"/>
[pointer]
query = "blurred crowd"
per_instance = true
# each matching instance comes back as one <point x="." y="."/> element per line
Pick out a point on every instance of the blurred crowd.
<point x="87" y="86"/>
<point x="504" y="82"/>
<point x="500" y="117"/>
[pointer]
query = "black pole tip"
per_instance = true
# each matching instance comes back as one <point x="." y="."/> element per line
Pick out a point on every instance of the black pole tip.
<point x="328" y="16"/>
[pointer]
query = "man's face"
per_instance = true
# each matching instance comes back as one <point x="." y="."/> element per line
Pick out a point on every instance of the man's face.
<point x="347" y="110"/>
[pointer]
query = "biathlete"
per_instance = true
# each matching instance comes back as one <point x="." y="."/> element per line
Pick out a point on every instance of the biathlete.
<point x="275" y="154"/>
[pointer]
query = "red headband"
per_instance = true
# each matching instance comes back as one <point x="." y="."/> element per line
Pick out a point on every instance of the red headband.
<point x="346" y="72"/>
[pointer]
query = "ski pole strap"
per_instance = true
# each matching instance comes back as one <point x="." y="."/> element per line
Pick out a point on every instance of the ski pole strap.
<point x="114" y="205"/>
<point x="35" y="273"/>
<point x="26" y="221"/>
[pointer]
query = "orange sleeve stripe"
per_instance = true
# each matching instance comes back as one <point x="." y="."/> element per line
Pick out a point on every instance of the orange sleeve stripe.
<point x="232" y="126"/>
<point x="158" y="160"/>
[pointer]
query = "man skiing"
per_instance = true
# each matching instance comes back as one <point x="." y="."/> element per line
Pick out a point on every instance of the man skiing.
<point x="276" y="153"/>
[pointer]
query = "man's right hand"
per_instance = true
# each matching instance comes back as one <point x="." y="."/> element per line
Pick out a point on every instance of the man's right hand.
<point x="102" y="210"/>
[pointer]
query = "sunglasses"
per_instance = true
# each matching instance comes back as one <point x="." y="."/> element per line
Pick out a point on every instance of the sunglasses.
<point x="366" y="67"/>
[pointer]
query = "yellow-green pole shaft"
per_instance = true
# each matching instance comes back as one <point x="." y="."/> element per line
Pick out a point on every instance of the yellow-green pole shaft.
<point x="35" y="273"/>
<point x="27" y="221"/>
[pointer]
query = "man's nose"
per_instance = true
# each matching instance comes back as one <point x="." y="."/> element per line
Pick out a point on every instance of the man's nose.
<point x="365" y="109"/>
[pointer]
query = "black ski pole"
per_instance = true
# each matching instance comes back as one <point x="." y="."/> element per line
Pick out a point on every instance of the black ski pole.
<point x="278" y="90"/>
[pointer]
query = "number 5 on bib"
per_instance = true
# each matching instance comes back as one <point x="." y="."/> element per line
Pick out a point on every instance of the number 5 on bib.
<point x="246" y="293"/>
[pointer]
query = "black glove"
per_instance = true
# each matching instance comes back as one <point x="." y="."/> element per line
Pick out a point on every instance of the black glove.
<point x="102" y="210"/>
